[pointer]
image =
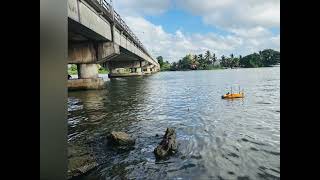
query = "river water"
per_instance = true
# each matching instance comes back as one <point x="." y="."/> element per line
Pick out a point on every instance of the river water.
<point x="218" y="139"/>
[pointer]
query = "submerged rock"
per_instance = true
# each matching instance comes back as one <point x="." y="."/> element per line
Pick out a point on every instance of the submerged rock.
<point x="79" y="161"/>
<point x="120" y="139"/>
<point x="84" y="164"/>
<point x="168" y="145"/>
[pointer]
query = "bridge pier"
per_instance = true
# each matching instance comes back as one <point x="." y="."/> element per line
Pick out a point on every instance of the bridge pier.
<point x="87" y="71"/>
<point x="147" y="69"/>
<point x="150" y="69"/>
<point x="125" y="69"/>
<point x="87" y="78"/>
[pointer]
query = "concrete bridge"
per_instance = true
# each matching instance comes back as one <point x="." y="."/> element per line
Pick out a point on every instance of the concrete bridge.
<point x="98" y="35"/>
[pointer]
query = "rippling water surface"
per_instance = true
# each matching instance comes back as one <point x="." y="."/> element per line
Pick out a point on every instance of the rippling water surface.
<point x="218" y="139"/>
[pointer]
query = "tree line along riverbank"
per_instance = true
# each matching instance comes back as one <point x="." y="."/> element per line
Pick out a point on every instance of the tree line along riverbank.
<point x="209" y="61"/>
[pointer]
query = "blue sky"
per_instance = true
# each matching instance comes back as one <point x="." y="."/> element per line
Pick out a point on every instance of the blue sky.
<point x="275" y="30"/>
<point x="174" y="28"/>
<point x="175" y="19"/>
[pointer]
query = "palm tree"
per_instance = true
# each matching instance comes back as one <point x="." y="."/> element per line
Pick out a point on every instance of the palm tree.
<point x="207" y="56"/>
<point x="223" y="61"/>
<point x="194" y="62"/>
<point x="260" y="58"/>
<point x="174" y="66"/>
<point x="195" y="58"/>
<point x="160" y="60"/>
<point x="201" y="61"/>
<point x="200" y="57"/>
<point x="214" y="58"/>
<point x="240" y="60"/>
<point x="235" y="62"/>
<point x="231" y="61"/>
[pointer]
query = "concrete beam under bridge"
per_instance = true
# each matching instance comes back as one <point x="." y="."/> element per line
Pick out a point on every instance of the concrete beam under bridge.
<point x="92" y="53"/>
<point x="125" y="68"/>
<point x="149" y="69"/>
<point x="81" y="53"/>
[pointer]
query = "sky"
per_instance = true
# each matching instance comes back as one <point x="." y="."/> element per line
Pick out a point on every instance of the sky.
<point x="174" y="28"/>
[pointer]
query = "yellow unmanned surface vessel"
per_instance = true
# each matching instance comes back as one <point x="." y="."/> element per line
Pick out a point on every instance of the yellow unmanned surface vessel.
<point x="233" y="95"/>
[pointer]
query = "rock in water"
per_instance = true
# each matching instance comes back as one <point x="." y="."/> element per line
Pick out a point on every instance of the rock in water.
<point x="168" y="145"/>
<point x="79" y="161"/>
<point x="121" y="139"/>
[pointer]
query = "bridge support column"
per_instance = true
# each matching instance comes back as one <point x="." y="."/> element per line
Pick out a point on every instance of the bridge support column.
<point x="153" y="70"/>
<point x="138" y="70"/>
<point x="125" y="69"/>
<point x="87" y="78"/>
<point x="147" y="70"/>
<point x="86" y="71"/>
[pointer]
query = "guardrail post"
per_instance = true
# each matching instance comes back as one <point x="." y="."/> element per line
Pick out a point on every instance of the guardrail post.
<point x="112" y="11"/>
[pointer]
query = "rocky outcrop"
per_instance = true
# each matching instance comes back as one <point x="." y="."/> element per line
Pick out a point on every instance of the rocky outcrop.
<point x="120" y="139"/>
<point x="168" y="145"/>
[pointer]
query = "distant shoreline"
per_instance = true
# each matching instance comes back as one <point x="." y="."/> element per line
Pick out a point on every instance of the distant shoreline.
<point x="104" y="75"/>
<point x="222" y="68"/>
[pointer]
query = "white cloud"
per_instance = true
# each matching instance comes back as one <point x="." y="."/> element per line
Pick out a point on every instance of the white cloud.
<point x="173" y="46"/>
<point x="138" y="7"/>
<point x="247" y="23"/>
<point x="276" y="41"/>
<point x="254" y="32"/>
<point x="218" y="13"/>
<point x="235" y="13"/>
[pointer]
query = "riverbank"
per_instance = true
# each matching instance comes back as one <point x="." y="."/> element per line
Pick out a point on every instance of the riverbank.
<point x="220" y="68"/>
<point x="212" y="68"/>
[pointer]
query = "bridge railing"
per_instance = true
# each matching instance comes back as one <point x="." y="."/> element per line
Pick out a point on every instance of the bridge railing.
<point x="116" y="17"/>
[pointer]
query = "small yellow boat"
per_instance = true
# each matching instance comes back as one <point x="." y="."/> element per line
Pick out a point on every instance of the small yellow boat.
<point x="233" y="95"/>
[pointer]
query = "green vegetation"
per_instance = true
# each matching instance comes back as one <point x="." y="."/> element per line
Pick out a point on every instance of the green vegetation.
<point x="208" y="61"/>
<point x="102" y="70"/>
<point x="72" y="70"/>
<point x="164" y="66"/>
<point x="265" y="58"/>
